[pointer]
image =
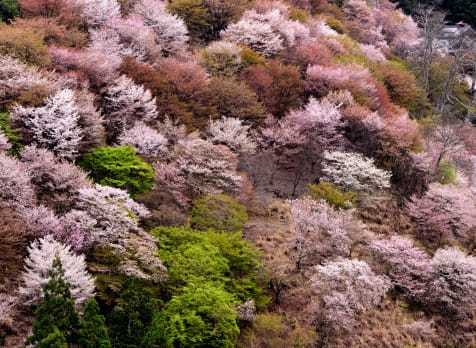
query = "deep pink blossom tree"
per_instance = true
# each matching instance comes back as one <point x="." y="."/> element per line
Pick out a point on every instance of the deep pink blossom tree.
<point x="407" y="266"/>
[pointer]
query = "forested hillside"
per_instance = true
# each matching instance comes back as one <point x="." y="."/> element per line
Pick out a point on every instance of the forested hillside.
<point x="234" y="173"/>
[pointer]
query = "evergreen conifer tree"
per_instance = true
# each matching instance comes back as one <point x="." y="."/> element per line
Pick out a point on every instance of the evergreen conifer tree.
<point x="93" y="333"/>
<point x="55" y="313"/>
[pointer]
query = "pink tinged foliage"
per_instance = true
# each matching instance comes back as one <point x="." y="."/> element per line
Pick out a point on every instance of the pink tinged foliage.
<point x="448" y="209"/>
<point x="42" y="252"/>
<point x="320" y="229"/>
<point x="453" y="281"/>
<point x="347" y="288"/>
<point x="170" y="31"/>
<point x="407" y="266"/>
<point x="114" y="212"/>
<point x="16" y="77"/>
<point x="55" y="125"/>
<point x="172" y="131"/>
<point x="4" y="144"/>
<point x="126" y="37"/>
<point x="145" y="140"/>
<point x="207" y="168"/>
<point x="258" y="34"/>
<point x="56" y="182"/>
<point x="16" y="190"/>
<point x="97" y="12"/>
<point x="232" y="133"/>
<point x="373" y="53"/>
<point x="354" y="172"/>
<point x="168" y="176"/>
<point x="99" y="67"/>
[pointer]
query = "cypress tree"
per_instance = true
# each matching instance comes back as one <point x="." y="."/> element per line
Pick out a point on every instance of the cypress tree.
<point x="93" y="333"/>
<point x="56" y="311"/>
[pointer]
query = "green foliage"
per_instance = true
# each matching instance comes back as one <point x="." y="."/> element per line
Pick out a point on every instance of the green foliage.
<point x="24" y="44"/>
<point x="13" y="135"/>
<point x="187" y="253"/>
<point x="218" y="212"/>
<point x="55" y="339"/>
<point x="461" y="10"/>
<point x="93" y="333"/>
<point x="194" y="13"/>
<point x="332" y="194"/>
<point x="446" y="173"/>
<point x="199" y="317"/>
<point x="119" y="167"/>
<point x="55" y="312"/>
<point x="129" y="322"/>
<point x="9" y="9"/>
<point x="251" y="57"/>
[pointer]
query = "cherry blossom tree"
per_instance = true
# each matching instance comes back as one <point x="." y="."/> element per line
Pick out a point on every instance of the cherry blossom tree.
<point x="258" y="35"/>
<point x="124" y="103"/>
<point x="16" y="190"/>
<point x="126" y="37"/>
<point x="207" y="168"/>
<point x="319" y="229"/>
<point x="97" y="12"/>
<point x="55" y="125"/>
<point x="56" y="182"/>
<point x="346" y="289"/>
<point x="170" y="31"/>
<point x="168" y="176"/>
<point x="145" y="140"/>
<point x="111" y="213"/>
<point x="373" y="53"/>
<point x="354" y="172"/>
<point x="452" y="288"/>
<point x="232" y="133"/>
<point x="97" y="66"/>
<point x="443" y="211"/>
<point x="407" y="266"/>
<point x="42" y="252"/>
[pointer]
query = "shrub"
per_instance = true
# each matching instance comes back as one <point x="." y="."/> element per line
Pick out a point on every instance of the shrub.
<point x="25" y="45"/>
<point x="219" y="212"/>
<point x="13" y="135"/>
<point x="8" y="10"/>
<point x="333" y="195"/>
<point x="119" y="167"/>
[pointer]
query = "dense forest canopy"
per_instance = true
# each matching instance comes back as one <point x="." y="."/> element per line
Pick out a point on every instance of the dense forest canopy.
<point x="237" y="173"/>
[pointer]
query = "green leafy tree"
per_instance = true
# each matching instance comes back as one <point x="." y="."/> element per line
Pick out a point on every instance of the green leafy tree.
<point x="199" y="317"/>
<point x="119" y="167"/>
<point x="218" y="212"/>
<point x="55" y="312"/>
<point x="93" y="333"/>
<point x="9" y="9"/>
<point x="129" y="322"/>
<point x="332" y="194"/>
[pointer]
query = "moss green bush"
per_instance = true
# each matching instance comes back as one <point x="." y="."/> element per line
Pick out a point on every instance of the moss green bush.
<point x="332" y="194"/>
<point x="13" y="135"/>
<point x="218" y="212"/>
<point x="119" y="167"/>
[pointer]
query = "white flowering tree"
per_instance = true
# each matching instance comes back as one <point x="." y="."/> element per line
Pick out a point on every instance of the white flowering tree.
<point x="145" y="140"/>
<point x="124" y="103"/>
<point x="4" y="144"/>
<point x="354" y="172"/>
<point x="453" y="282"/>
<point x="232" y="133"/>
<point x="16" y="190"/>
<point x="346" y="288"/>
<point x="41" y="254"/>
<point x="170" y="31"/>
<point x="97" y="12"/>
<point x="111" y="213"/>
<point x="207" y="168"/>
<point x="55" y="125"/>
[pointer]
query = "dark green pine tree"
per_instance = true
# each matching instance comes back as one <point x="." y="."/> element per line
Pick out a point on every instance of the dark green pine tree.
<point x="129" y="323"/>
<point x="56" y="311"/>
<point x="54" y="340"/>
<point x="93" y="333"/>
